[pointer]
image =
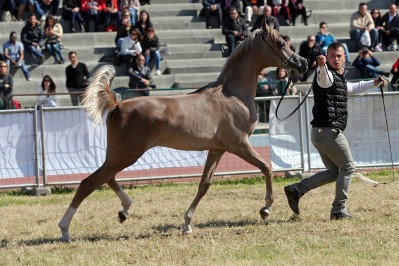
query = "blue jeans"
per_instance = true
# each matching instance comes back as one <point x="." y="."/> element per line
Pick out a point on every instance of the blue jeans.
<point x="35" y="51"/>
<point x="357" y="34"/>
<point x="157" y="56"/>
<point x="55" y="50"/>
<point x="133" y="15"/>
<point x="372" y="71"/>
<point x="42" y="9"/>
<point x="231" y="42"/>
<point x="22" y="66"/>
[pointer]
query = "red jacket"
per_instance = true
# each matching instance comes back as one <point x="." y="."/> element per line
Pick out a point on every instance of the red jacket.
<point x="396" y="64"/>
<point x="85" y="7"/>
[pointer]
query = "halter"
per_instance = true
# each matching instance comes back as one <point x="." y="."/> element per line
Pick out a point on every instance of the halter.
<point x="285" y="61"/>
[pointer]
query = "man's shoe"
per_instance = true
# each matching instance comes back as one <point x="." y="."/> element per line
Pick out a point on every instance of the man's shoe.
<point x="293" y="198"/>
<point x="340" y="215"/>
<point x="386" y="74"/>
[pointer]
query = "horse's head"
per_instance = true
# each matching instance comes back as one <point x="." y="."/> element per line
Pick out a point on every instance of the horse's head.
<point x="283" y="56"/>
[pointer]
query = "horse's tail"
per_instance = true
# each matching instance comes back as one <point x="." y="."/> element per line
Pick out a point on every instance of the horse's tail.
<point x="98" y="97"/>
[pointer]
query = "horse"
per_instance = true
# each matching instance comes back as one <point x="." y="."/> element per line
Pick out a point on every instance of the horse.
<point x="218" y="117"/>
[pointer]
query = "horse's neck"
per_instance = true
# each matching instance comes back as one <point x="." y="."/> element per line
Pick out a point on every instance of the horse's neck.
<point x="243" y="81"/>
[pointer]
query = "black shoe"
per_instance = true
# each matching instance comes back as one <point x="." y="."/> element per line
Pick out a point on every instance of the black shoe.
<point x="56" y="61"/>
<point x="386" y="74"/>
<point x="341" y="215"/>
<point x="293" y="198"/>
<point x="62" y="61"/>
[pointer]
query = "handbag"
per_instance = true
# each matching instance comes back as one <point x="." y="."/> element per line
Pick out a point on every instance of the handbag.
<point x="365" y="38"/>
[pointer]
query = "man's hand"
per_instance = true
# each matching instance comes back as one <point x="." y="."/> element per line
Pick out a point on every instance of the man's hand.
<point x="379" y="82"/>
<point x="321" y="60"/>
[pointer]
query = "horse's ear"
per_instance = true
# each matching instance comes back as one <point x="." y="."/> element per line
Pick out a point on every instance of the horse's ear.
<point x="265" y="27"/>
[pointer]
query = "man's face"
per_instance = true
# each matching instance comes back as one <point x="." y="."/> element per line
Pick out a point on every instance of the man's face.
<point x="13" y="38"/>
<point x="336" y="58"/>
<point x="363" y="10"/>
<point x="392" y="9"/>
<point x="267" y="11"/>
<point x="140" y="61"/>
<point x="73" y="58"/>
<point x="3" y="68"/>
<point x="233" y="14"/>
<point x="32" y="20"/>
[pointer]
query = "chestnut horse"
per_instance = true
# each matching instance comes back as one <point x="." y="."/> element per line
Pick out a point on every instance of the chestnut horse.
<point x="218" y="117"/>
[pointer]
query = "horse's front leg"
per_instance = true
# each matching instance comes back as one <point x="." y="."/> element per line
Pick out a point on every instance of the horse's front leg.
<point x="125" y="199"/>
<point x="212" y="161"/>
<point x="251" y="156"/>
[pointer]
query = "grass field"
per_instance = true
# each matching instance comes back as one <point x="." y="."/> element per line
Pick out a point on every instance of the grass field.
<point x="227" y="228"/>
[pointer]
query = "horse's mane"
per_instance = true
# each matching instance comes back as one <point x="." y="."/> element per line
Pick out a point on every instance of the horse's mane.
<point x="240" y="51"/>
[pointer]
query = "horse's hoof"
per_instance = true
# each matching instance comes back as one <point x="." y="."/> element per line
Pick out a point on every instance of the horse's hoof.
<point x="186" y="230"/>
<point x="264" y="213"/>
<point x="122" y="216"/>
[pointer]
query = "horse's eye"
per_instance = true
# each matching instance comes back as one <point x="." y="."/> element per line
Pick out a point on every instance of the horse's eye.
<point x="282" y="44"/>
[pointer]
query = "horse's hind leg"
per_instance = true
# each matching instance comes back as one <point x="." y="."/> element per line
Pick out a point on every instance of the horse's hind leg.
<point x="125" y="200"/>
<point x="86" y="187"/>
<point x="212" y="161"/>
<point x="251" y="156"/>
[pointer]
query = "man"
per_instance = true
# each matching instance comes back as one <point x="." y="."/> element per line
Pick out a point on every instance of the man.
<point x="309" y="49"/>
<point x="330" y="114"/>
<point x="212" y="7"/>
<point x="6" y="84"/>
<point x="140" y="75"/>
<point x="234" y="29"/>
<point x="361" y="21"/>
<point x="32" y="37"/>
<point x="271" y="21"/>
<point x="14" y="54"/>
<point x="76" y="76"/>
<point x="252" y="7"/>
<point x="46" y="6"/>
<point x="391" y="28"/>
<point x="368" y="64"/>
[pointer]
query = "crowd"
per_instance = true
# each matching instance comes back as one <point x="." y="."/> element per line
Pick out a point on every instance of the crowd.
<point x="137" y="44"/>
<point x="136" y="39"/>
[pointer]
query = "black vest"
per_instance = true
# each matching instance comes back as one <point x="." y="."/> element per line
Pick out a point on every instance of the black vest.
<point x="330" y="104"/>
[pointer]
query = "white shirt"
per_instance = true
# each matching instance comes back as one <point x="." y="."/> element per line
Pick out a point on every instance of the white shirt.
<point x="325" y="78"/>
<point x="130" y="46"/>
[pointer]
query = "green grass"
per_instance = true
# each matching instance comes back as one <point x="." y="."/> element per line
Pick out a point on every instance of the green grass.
<point x="227" y="229"/>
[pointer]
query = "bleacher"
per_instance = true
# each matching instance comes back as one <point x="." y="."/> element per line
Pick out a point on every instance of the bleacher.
<point x="195" y="55"/>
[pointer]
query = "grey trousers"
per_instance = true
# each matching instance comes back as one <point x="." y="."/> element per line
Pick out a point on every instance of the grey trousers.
<point x="337" y="158"/>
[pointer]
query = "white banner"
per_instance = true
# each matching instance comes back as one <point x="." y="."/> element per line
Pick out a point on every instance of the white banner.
<point x="366" y="132"/>
<point x="75" y="145"/>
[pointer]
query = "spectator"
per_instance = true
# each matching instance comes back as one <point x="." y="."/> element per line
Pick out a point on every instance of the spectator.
<point x="2" y="57"/>
<point x="71" y="13"/>
<point x="263" y="90"/>
<point x="130" y="47"/>
<point x="111" y="12"/>
<point x="122" y="30"/>
<point x="281" y="83"/>
<point x="92" y="10"/>
<point x="280" y="7"/>
<point x="391" y="28"/>
<point x="14" y="54"/>
<point x="140" y="75"/>
<point x="212" y="7"/>
<point x="145" y="2"/>
<point x="368" y="64"/>
<point x="379" y="25"/>
<point x="133" y="6"/>
<point x="395" y="78"/>
<point x="309" y="49"/>
<point x="6" y="85"/>
<point x="297" y="8"/>
<point x="252" y="7"/>
<point x="230" y="3"/>
<point x="324" y="38"/>
<point x="22" y="6"/>
<point x="150" y="49"/>
<point x="287" y="39"/>
<point x="9" y="7"/>
<point x="53" y="31"/>
<point x="234" y="29"/>
<point x="271" y="21"/>
<point x="144" y="23"/>
<point x="361" y="21"/>
<point x="76" y="76"/>
<point x="32" y="37"/>
<point x="43" y="7"/>
<point x="46" y="92"/>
